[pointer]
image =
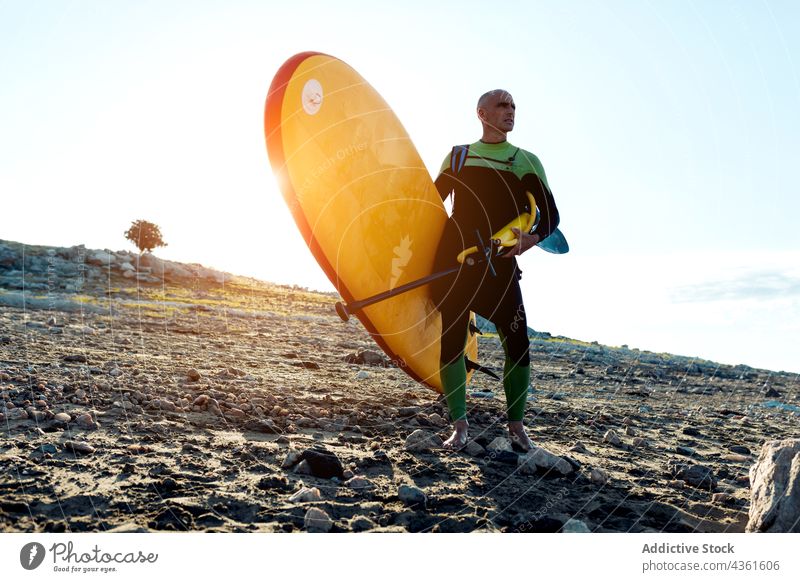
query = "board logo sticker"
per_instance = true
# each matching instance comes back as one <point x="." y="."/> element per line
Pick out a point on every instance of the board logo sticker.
<point x="312" y="96"/>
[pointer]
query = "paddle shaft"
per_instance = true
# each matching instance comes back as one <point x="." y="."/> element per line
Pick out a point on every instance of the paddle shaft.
<point x="344" y="311"/>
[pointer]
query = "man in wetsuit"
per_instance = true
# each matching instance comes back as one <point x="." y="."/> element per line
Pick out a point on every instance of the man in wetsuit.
<point x="488" y="181"/>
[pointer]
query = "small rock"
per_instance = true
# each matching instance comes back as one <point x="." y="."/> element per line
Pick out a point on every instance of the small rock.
<point x="79" y="447"/>
<point x="293" y="456"/>
<point x="86" y="421"/>
<point x="598" y="476"/>
<point x="641" y="443"/>
<point x="740" y="449"/>
<point x="578" y="447"/>
<point x="16" y="414"/>
<point x="361" y="523"/>
<point x="630" y="431"/>
<point x="38" y="415"/>
<point x="473" y="449"/>
<point x="323" y="464"/>
<point x="193" y="375"/>
<point x="436" y="420"/>
<point x="771" y="392"/>
<point x="538" y="458"/>
<point x="80" y="393"/>
<point x="687" y="451"/>
<point x="79" y="358"/>
<point x="722" y="498"/>
<point x="317" y="521"/>
<point x="736" y="458"/>
<point x="627" y="422"/>
<point x="500" y="444"/>
<point x="303" y="468"/>
<point x="422" y="441"/>
<point x="305" y="495"/>
<point x="411" y="495"/>
<point x="49" y="448"/>
<point x="575" y="526"/>
<point x="115" y="372"/>
<point x="360" y="483"/>
<point x="698" y="476"/>
<point x="368" y="357"/>
<point x="362" y="374"/>
<point x="691" y="431"/>
<point x="201" y="400"/>
<point x="612" y="438"/>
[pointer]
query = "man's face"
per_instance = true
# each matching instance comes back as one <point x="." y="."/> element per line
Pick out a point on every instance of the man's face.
<point x="498" y="112"/>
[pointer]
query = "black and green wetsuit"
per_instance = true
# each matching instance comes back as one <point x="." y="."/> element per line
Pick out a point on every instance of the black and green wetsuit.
<point x="488" y="183"/>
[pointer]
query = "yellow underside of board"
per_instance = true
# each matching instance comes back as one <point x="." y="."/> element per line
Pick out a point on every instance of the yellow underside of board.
<point x="369" y="202"/>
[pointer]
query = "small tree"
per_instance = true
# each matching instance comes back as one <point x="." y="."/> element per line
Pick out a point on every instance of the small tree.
<point x="145" y="235"/>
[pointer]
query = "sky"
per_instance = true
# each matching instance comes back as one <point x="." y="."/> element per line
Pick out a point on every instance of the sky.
<point x="669" y="132"/>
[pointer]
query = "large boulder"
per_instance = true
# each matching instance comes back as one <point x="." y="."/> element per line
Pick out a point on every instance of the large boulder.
<point x="775" y="488"/>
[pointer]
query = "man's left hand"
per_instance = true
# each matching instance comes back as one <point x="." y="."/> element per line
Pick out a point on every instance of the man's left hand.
<point x="524" y="242"/>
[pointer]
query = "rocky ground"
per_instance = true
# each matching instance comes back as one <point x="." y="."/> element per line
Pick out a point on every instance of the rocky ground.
<point x="173" y="397"/>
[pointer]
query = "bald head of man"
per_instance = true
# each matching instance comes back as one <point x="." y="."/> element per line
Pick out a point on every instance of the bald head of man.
<point x="496" y="111"/>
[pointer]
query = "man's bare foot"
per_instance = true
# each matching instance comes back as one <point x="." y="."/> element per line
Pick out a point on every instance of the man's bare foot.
<point x="459" y="437"/>
<point x="518" y="436"/>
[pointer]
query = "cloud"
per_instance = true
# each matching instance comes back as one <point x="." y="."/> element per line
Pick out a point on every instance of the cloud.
<point x="772" y="284"/>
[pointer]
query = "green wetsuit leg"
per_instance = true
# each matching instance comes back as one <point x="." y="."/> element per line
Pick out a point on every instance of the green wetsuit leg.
<point x="516" y="380"/>
<point x="454" y="384"/>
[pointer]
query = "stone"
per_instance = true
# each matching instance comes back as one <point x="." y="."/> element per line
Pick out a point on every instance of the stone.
<point x="317" y="521"/>
<point x="79" y="358"/>
<point x="473" y="449"/>
<point x="411" y="495"/>
<point x="201" y="400"/>
<point x="699" y="476"/>
<point x="193" y="375"/>
<point x="291" y="459"/>
<point x="436" y="420"/>
<point x="575" y="526"/>
<point x="79" y="447"/>
<point x="736" y="458"/>
<point x="360" y="483"/>
<point x="578" y="447"/>
<point x="422" y="441"/>
<point x="775" y="488"/>
<point x="16" y="414"/>
<point x="323" y="464"/>
<point x="500" y="444"/>
<point x="538" y="458"/>
<point x="368" y="357"/>
<point x="361" y="523"/>
<point x="305" y="495"/>
<point x="86" y="421"/>
<point x="611" y="438"/>
<point x="598" y="476"/>
<point x="303" y="468"/>
<point x="739" y="449"/>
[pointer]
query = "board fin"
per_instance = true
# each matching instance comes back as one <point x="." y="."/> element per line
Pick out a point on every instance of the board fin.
<point x="473" y="329"/>
<point x="478" y="368"/>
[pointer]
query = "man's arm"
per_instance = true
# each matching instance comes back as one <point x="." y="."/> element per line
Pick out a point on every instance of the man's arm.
<point x="444" y="181"/>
